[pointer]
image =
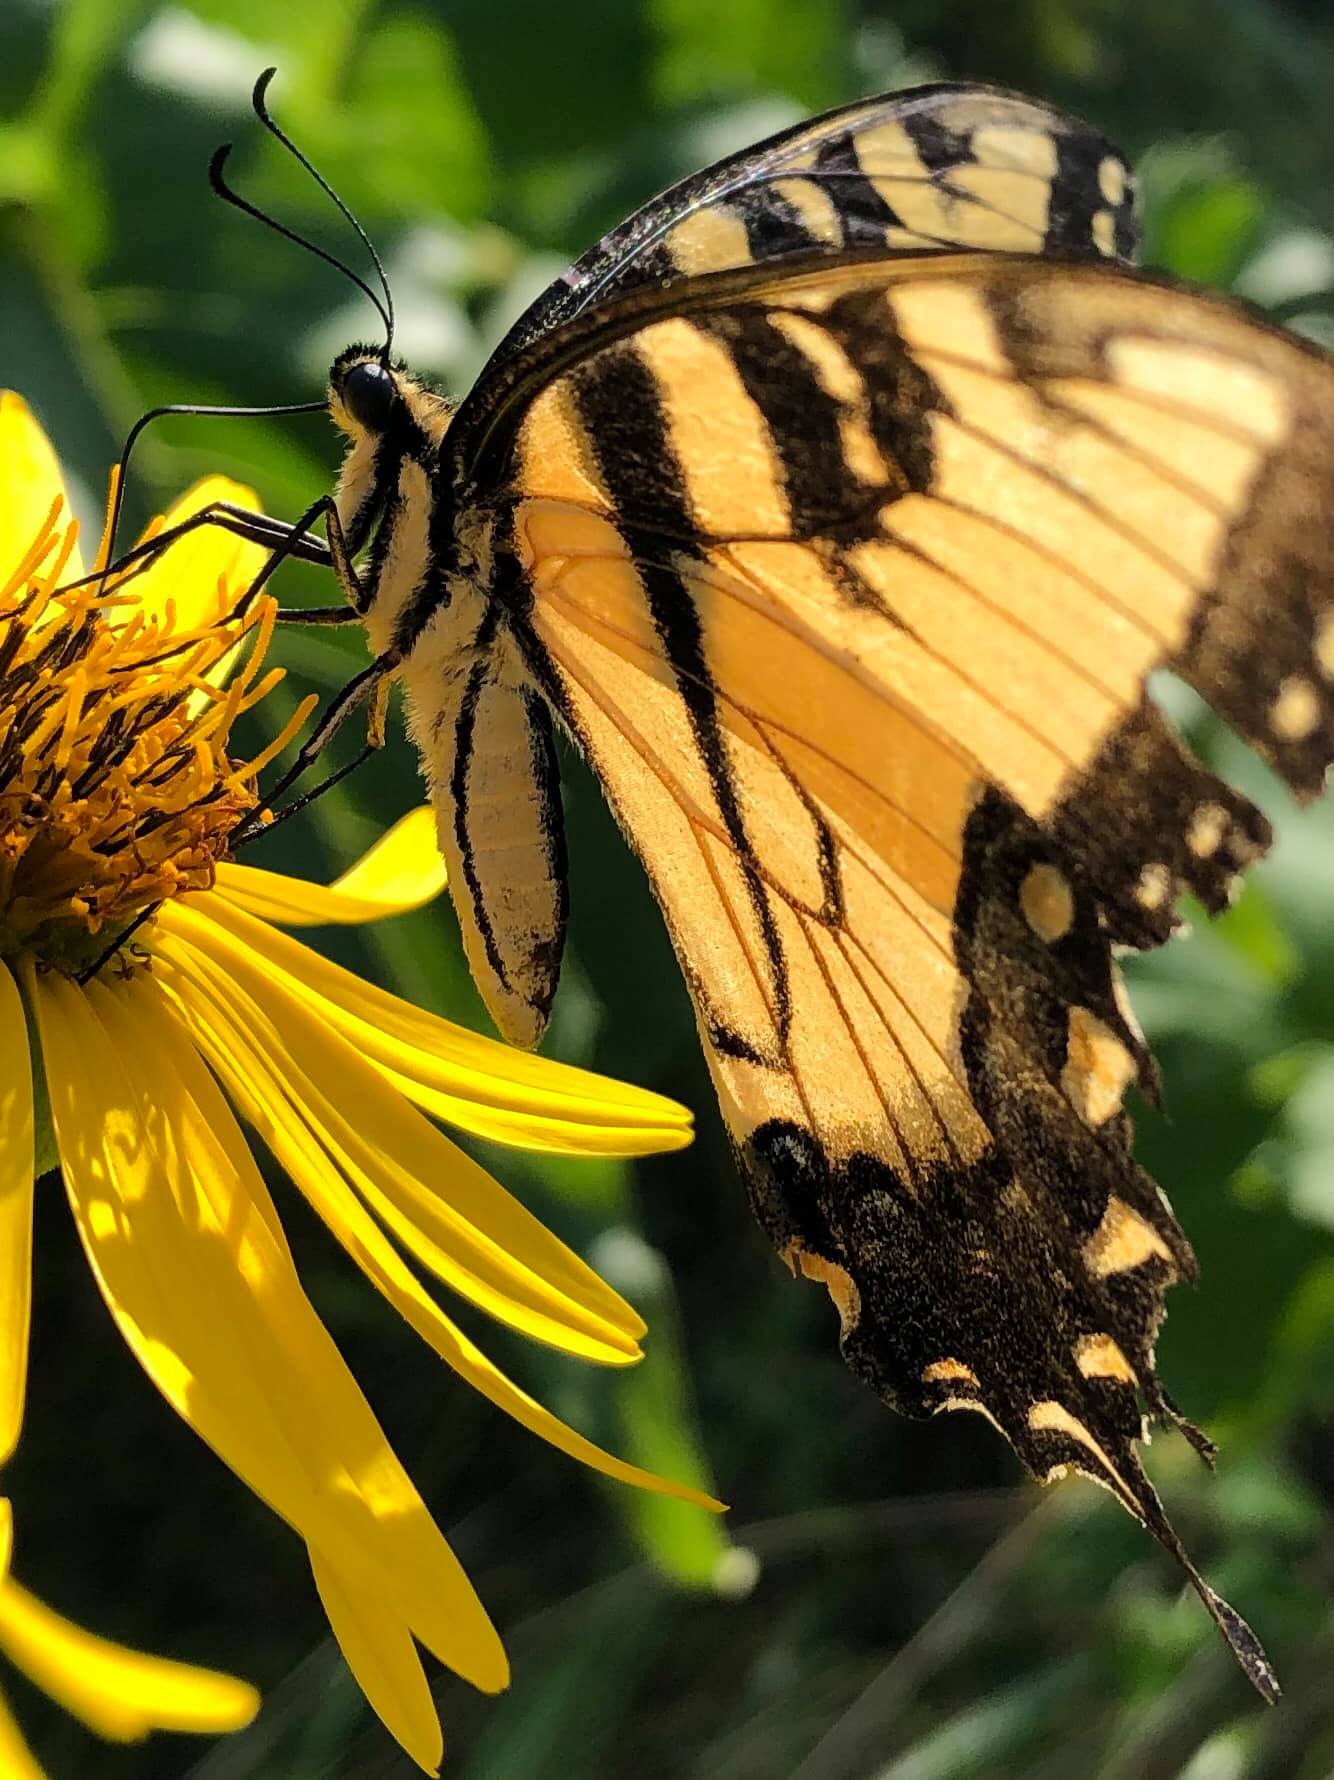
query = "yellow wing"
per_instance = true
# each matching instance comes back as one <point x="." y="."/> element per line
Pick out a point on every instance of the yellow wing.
<point x="848" y="582"/>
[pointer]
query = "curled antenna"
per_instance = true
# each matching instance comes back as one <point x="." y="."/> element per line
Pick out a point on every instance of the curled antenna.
<point x="384" y="305"/>
<point x="132" y="438"/>
<point x="226" y="193"/>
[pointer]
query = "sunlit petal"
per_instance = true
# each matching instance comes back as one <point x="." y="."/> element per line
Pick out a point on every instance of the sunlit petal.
<point x="378" y="1648"/>
<point x="182" y="1253"/>
<point x="16" y="1194"/>
<point x="259" y="1094"/>
<point x="401" y="871"/>
<point x="202" y="574"/>
<point x="6" y="1540"/>
<point x="121" y="1694"/>
<point x="476" y="1083"/>
<point x="17" y="1761"/>
<point x="30" y="480"/>
<point x="464" y="1226"/>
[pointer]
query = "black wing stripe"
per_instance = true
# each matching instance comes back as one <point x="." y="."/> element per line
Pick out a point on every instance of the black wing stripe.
<point x="464" y="728"/>
<point x="621" y="412"/>
<point x="803" y="423"/>
<point x="868" y="216"/>
<point x="773" y="224"/>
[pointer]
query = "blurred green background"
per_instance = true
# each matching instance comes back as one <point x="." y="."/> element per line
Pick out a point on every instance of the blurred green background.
<point x="887" y="1600"/>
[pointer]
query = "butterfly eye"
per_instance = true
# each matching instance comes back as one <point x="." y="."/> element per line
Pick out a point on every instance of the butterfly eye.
<point x="369" y="395"/>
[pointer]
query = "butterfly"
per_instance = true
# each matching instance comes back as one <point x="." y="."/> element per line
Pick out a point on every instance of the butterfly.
<point x="839" y="506"/>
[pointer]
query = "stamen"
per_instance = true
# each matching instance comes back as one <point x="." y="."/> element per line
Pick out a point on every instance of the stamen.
<point x="103" y="556"/>
<point x="78" y="691"/>
<point x="31" y="560"/>
<point x="116" y="787"/>
<point x="265" y="687"/>
<point x="284" y="735"/>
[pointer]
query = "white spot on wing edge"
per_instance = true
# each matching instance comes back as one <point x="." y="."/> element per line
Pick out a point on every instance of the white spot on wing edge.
<point x="948" y="1372"/>
<point x="1295" y="713"/>
<point x="1205" y="830"/>
<point x="1098" y="1067"/>
<point x="1154" y="886"/>
<point x="839" y="1282"/>
<point x="1123" y="1240"/>
<point x="1098" y="1356"/>
<point x="1051" y="1417"/>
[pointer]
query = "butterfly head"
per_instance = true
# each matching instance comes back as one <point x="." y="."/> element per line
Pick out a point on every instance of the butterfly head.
<point x="372" y="398"/>
<point x="363" y="392"/>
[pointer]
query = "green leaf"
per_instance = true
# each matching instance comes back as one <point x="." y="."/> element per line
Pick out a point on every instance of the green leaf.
<point x="656" y="1415"/>
<point x="794" y="47"/>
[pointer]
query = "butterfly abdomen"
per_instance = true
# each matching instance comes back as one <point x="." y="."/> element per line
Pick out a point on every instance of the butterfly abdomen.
<point x="487" y="747"/>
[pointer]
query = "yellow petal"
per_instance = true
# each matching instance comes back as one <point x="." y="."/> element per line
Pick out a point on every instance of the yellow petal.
<point x="401" y="871"/>
<point x="258" y="1093"/>
<point x="30" y="480"/>
<point x="16" y="1165"/>
<point x="476" y="1083"/>
<point x="203" y="574"/>
<point x="377" y="1647"/>
<point x="464" y="1226"/>
<point x="17" y="1761"/>
<point x="213" y="1310"/>
<point x="121" y="1694"/>
<point x="260" y="1097"/>
<point x="6" y="1541"/>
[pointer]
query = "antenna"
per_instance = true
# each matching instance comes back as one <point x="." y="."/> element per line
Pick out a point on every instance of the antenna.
<point x="384" y="305"/>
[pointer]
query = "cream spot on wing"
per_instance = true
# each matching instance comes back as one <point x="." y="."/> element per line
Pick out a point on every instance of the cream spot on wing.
<point x="1244" y="397"/>
<point x="1104" y="232"/>
<point x="1019" y="151"/>
<point x="1098" y="1068"/>
<point x="1205" y="830"/>
<point x="1122" y="1241"/>
<point x="1112" y="180"/>
<point x="840" y="1283"/>
<point x="969" y="1403"/>
<point x="839" y="378"/>
<point x="1098" y="1356"/>
<point x="948" y="1372"/>
<point x="1295" y="713"/>
<point x="1054" y="1418"/>
<point x="928" y="313"/>
<point x="1123" y="1007"/>
<point x="1324" y="643"/>
<point x="1154" y="887"/>
<point x="709" y="240"/>
<point x="814" y="207"/>
<point x="834" y="370"/>
<point x="1048" y="903"/>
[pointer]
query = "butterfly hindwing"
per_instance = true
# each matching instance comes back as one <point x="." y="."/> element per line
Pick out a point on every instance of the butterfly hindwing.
<point x="848" y="581"/>
<point x="937" y="166"/>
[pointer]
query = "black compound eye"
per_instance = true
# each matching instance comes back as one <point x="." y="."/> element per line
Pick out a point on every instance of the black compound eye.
<point x="369" y="395"/>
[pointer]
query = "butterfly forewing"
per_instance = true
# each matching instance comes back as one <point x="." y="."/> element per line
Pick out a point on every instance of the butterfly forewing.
<point x="940" y="166"/>
<point x="935" y="167"/>
<point x="848" y="581"/>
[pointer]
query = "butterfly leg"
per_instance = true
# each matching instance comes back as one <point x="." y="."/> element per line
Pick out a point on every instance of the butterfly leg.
<point x="371" y="686"/>
<point x="284" y="539"/>
<point x="241" y="522"/>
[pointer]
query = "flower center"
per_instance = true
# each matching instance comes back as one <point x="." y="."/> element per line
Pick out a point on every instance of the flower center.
<point x="116" y="787"/>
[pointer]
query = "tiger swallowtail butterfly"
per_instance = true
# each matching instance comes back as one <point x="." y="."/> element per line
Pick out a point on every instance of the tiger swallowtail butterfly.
<point x="838" y="506"/>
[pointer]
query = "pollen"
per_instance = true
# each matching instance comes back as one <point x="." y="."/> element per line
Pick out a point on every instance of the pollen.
<point x="117" y="790"/>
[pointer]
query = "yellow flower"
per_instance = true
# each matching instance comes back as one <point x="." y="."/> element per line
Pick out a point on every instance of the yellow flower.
<point x="121" y="1694"/>
<point x="117" y="797"/>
